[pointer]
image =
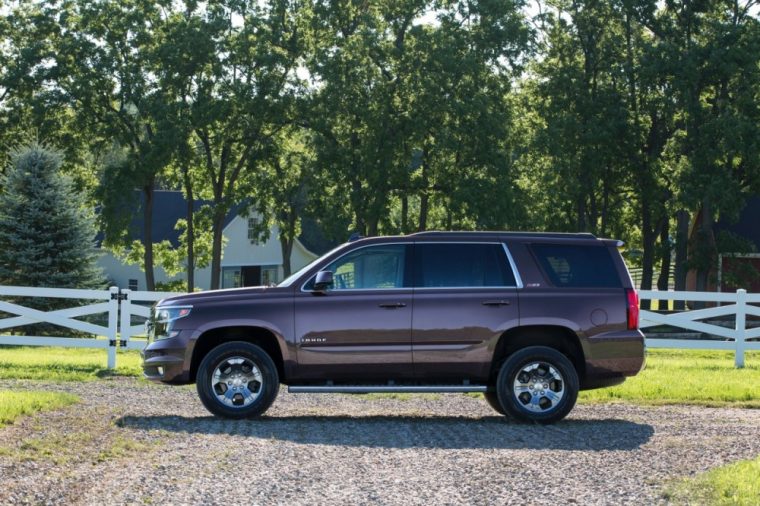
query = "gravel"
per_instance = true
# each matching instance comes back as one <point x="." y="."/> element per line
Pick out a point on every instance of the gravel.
<point x="131" y="442"/>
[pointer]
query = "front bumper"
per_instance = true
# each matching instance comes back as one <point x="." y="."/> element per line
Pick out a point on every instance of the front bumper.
<point x="165" y="360"/>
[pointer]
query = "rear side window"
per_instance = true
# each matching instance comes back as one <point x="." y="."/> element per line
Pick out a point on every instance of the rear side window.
<point x="441" y="265"/>
<point x="577" y="266"/>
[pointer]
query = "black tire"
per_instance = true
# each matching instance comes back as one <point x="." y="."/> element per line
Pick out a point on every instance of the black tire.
<point x="250" y="373"/>
<point x="492" y="398"/>
<point x="550" y="382"/>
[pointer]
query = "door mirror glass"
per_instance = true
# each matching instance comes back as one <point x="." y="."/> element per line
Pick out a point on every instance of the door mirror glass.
<point x="323" y="281"/>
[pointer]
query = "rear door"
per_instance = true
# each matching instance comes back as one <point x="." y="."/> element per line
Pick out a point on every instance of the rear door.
<point x="465" y="297"/>
<point x="360" y="329"/>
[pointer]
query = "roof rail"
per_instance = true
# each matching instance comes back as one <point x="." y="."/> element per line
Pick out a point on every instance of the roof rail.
<point x="585" y="235"/>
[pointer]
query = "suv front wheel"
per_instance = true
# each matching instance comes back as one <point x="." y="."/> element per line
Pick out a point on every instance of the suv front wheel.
<point x="237" y="380"/>
<point x="537" y="384"/>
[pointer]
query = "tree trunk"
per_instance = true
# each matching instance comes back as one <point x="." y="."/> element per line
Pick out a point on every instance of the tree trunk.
<point x="286" y="246"/>
<point x="404" y="214"/>
<point x="662" y="280"/>
<point x="150" y="280"/>
<point x="705" y="246"/>
<point x="648" y="242"/>
<point x="190" y="230"/>
<point x="216" y="246"/>
<point x="682" y="250"/>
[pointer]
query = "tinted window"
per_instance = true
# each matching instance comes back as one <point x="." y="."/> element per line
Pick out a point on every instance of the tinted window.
<point x="577" y="266"/>
<point x="371" y="267"/>
<point x="461" y="265"/>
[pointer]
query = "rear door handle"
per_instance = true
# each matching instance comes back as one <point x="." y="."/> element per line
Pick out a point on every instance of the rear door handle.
<point x="500" y="302"/>
<point x="392" y="305"/>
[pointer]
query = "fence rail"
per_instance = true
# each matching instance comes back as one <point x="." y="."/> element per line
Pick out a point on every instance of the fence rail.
<point x="123" y="307"/>
<point x="738" y="304"/>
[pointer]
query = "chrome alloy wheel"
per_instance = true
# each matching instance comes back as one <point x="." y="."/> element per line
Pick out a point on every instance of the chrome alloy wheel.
<point x="539" y="387"/>
<point x="237" y="382"/>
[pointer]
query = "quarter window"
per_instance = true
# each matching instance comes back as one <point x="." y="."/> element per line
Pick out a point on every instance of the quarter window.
<point x="577" y="266"/>
<point x="439" y="265"/>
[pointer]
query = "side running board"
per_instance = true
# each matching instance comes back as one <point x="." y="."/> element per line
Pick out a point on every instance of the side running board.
<point x="366" y="389"/>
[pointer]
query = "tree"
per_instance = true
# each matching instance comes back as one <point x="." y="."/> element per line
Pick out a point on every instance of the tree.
<point x="104" y="70"/>
<point x="234" y="63"/>
<point x="47" y="236"/>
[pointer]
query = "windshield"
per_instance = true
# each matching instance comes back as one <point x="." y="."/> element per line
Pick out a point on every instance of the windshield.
<point x="293" y="277"/>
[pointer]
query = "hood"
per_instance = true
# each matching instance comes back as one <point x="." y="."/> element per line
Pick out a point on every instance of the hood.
<point x="248" y="292"/>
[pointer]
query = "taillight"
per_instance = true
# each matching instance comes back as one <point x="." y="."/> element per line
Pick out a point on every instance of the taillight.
<point x="633" y="308"/>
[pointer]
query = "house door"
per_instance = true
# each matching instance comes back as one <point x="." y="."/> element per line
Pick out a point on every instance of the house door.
<point x="251" y="275"/>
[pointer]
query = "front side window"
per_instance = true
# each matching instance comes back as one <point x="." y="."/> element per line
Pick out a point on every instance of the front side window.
<point x="461" y="265"/>
<point x="373" y="267"/>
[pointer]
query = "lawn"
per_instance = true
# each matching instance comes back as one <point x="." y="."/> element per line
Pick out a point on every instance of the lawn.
<point x="705" y="378"/>
<point x="64" y="364"/>
<point x="735" y="484"/>
<point x="16" y="404"/>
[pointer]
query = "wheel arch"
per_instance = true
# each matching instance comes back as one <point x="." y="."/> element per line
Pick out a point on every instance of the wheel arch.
<point x="260" y="336"/>
<point x="562" y="339"/>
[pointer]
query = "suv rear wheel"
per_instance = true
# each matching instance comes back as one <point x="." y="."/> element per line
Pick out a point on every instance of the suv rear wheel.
<point x="537" y="384"/>
<point x="237" y="380"/>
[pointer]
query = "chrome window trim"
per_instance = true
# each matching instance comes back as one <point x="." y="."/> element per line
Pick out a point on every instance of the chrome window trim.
<point x="518" y="280"/>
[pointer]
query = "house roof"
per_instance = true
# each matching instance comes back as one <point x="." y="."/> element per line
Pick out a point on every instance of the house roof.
<point x="748" y="225"/>
<point x="168" y="207"/>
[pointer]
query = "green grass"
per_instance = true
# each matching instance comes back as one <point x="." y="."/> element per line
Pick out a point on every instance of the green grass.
<point x="16" y="404"/>
<point x="64" y="364"/>
<point x="704" y="378"/>
<point x="735" y="484"/>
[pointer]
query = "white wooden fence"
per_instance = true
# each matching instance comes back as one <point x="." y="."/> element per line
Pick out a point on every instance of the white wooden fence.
<point x="738" y="304"/>
<point x="117" y="303"/>
<point x="121" y="305"/>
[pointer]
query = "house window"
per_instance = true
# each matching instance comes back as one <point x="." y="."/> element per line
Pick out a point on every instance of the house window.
<point x="133" y="284"/>
<point x="231" y="277"/>
<point x="253" y="230"/>
<point x="269" y="275"/>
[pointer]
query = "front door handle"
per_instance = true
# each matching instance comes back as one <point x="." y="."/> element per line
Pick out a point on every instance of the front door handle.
<point x="499" y="302"/>
<point x="392" y="305"/>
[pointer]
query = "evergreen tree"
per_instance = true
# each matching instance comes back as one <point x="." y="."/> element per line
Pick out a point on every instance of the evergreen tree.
<point x="46" y="236"/>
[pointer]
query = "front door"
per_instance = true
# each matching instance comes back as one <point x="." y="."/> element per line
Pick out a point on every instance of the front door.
<point x="361" y="327"/>
<point x="465" y="297"/>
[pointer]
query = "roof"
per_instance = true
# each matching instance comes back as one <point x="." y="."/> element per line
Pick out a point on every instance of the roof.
<point x="748" y="225"/>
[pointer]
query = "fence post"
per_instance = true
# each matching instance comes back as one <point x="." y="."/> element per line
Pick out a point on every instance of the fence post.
<point x="113" y="320"/>
<point x="741" y="318"/>
<point x="125" y="324"/>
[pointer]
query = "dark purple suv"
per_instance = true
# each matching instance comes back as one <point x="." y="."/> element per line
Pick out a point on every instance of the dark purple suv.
<point x="529" y="319"/>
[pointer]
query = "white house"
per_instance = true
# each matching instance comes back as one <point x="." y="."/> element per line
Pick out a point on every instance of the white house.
<point x="245" y="261"/>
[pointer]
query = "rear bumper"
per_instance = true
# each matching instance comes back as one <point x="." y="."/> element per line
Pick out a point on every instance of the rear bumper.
<point x="613" y="356"/>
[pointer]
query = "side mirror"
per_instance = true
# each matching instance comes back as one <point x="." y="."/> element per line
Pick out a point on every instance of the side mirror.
<point x="323" y="281"/>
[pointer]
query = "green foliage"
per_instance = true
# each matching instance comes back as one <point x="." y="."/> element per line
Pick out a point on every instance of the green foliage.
<point x="394" y="115"/>
<point x="23" y="403"/>
<point x="46" y="233"/>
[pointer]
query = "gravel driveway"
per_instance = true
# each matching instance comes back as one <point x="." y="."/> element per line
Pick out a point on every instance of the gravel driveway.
<point x="131" y="442"/>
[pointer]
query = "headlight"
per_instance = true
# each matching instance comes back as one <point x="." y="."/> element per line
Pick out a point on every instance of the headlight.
<point x="163" y="320"/>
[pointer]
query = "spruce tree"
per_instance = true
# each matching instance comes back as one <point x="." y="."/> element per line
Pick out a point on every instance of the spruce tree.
<point x="46" y="235"/>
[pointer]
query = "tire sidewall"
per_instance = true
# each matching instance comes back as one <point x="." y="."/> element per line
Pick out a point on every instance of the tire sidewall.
<point x="512" y="366"/>
<point x="259" y="357"/>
